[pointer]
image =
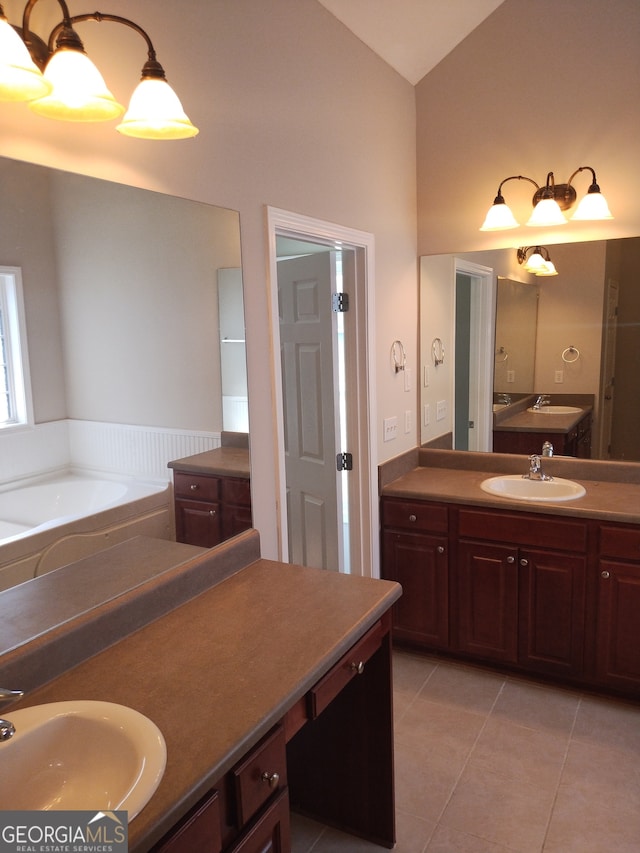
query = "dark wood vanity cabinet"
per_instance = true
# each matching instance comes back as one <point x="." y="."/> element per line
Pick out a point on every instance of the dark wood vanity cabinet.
<point x="210" y="509"/>
<point x="415" y="553"/>
<point x="575" y="442"/>
<point x="617" y="647"/>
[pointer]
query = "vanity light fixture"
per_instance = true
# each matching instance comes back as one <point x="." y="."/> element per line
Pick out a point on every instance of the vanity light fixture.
<point x="59" y="81"/>
<point x="538" y="262"/>
<point x="549" y="202"/>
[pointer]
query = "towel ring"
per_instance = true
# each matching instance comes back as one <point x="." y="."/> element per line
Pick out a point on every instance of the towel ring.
<point x="505" y="355"/>
<point x="437" y="349"/>
<point x="398" y="356"/>
<point x="571" y="351"/>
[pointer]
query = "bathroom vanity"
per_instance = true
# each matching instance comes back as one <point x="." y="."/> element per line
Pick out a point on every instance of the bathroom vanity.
<point x="518" y="429"/>
<point x="267" y="694"/>
<point x="549" y="589"/>
<point x="212" y="495"/>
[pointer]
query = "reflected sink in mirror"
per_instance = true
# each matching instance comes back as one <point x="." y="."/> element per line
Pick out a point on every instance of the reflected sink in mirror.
<point x="556" y="410"/>
<point x="498" y="407"/>
<point x="520" y="488"/>
<point x="81" y="755"/>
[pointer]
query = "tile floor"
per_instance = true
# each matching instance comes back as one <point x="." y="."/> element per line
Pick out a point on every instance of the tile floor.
<point x="494" y="764"/>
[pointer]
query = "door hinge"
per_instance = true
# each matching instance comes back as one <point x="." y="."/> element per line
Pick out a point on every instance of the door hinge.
<point x="340" y="302"/>
<point x="344" y="462"/>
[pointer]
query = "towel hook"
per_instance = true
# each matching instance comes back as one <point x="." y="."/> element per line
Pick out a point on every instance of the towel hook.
<point x="398" y="356"/>
<point x="505" y="355"/>
<point x="437" y="349"/>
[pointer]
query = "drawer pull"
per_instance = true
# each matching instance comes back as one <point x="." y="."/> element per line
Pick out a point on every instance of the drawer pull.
<point x="272" y="779"/>
<point x="413" y="517"/>
<point x="440" y="549"/>
<point x="605" y="574"/>
<point x="212" y="512"/>
<point x="358" y="667"/>
<point x="194" y="487"/>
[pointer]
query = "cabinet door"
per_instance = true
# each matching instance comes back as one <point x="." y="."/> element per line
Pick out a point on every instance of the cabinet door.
<point x="198" y="832"/>
<point x="419" y="563"/>
<point x="618" y="625"/>
<point x="487" y="601"/>
<point x="271" y="833"/>
<point x="198" y="523"/>
<point x="551" y="611"/>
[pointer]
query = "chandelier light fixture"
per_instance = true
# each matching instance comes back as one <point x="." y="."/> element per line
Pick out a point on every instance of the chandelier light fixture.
<point x="549" y="202"/>
<point x="538" y="262"/>
<point x="59" y="81"/>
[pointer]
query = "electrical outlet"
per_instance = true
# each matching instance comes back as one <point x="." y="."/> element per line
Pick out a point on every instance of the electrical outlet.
<point x="441" y="410"/>
<point x="407" y="420"/>
<point x="390" y="429"/>
<point x="407" y="379"/>
<point x="559" y="376"/>
<point x="511" y="376"/>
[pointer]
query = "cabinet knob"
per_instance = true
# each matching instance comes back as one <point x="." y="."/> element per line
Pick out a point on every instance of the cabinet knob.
<point x="605" y="574"/>
<point x="358" y="667"/>
<point x="524" y="562"/>
<point x="194" y="487"/>
<point x="511" y="560"/>
<point x="272" y="779"/>
<point x="413" y="518"/>
<point x="212" y="512"/>
<point x="440" y="549"/>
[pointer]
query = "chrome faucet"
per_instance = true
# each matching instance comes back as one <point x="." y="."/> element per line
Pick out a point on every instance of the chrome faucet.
<point x="543" y="400"/>
<point x="547" y="449"/>
<point x="535" y="470"/>
<point x="7" y="729"/>
<point x="504" y="398"/>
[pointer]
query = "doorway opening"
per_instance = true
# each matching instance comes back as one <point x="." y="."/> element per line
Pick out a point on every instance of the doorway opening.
<point x="321" y="322"/>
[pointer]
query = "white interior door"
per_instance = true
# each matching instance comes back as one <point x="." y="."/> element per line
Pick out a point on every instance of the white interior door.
<point x="310" y="389"/>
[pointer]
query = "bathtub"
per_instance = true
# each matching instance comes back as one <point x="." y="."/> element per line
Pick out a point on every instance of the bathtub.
<point x="54" y="521"/>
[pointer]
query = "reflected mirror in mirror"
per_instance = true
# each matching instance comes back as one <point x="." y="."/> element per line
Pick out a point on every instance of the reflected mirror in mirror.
<point x="134" y="312"/>
<point x="593" y="305"/>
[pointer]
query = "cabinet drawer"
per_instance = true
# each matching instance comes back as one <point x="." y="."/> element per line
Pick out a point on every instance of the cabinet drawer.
<point x="236" y="490"/>
<point x="260" y="775"/>
<point x="196" y="487"/>
<point x="348" y="667"/>
<point x="621" y="542"/>
<point x="198" y="832"/>
<point x="414" y="515"/>
<point x="523" y="529"/>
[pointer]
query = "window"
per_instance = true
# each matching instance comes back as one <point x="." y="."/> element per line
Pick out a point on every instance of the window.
<point x="15" y="389"/>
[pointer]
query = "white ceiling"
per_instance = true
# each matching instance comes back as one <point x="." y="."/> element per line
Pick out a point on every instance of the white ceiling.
<point x="411" y="35"/>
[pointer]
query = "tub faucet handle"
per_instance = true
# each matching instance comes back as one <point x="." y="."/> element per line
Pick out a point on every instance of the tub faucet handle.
<point x="7" y="696"/>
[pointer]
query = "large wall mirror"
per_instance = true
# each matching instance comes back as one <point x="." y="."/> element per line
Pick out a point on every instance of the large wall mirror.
<point x="125" y="293"/>
<point x="592" y="305"/>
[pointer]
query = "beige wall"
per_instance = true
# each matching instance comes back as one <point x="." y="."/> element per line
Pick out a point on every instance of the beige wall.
<point x="294" y="112"/>
<point x="538" y="87"/>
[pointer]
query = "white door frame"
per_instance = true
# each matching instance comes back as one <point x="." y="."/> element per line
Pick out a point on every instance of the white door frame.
<point x="484" y="304"/>
<point x="364" y="483"/>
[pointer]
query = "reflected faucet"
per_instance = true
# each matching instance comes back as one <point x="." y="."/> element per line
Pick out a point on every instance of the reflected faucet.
<point x="535" y="471"/>
<point x="504" y="398"/>
<point x="543" y="400"/>
<point x="7" y="729"/>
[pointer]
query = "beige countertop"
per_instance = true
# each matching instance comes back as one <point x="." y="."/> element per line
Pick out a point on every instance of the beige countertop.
<point x="525" y="421"/>
<point x="218" y="672"/>
<point x="605" y="499"/>
<point x="223" y="462"/>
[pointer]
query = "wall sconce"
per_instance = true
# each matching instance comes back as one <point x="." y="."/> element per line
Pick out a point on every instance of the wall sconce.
<point x="548" y="203"/>
<point x="538" y="262"/>
<point x="59" y="81"/>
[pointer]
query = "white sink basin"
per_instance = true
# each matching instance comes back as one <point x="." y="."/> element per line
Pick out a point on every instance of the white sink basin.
<point x="81" y="755"/>
<point x="515" y="486"/>
<point x="556" y="410"/>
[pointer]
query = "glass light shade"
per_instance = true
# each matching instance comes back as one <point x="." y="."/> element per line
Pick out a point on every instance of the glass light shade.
<point x="20" y="77"/>
<point x="546" y="213"/>
<point x="155" y="112"/>
<point x="499" y="217"/>
<point x="592" y="206"/>
<point x="547" y="269"/>
<point x="534" y="263"/>
<point x="79" y="92"/>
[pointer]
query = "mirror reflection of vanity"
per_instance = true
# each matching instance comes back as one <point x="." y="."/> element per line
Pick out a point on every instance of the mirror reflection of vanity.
<point x="122" y="318"/>
<point x="575" y="309"/>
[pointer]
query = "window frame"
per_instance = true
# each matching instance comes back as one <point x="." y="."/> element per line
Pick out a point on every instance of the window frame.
<point x="18" y="384"/>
